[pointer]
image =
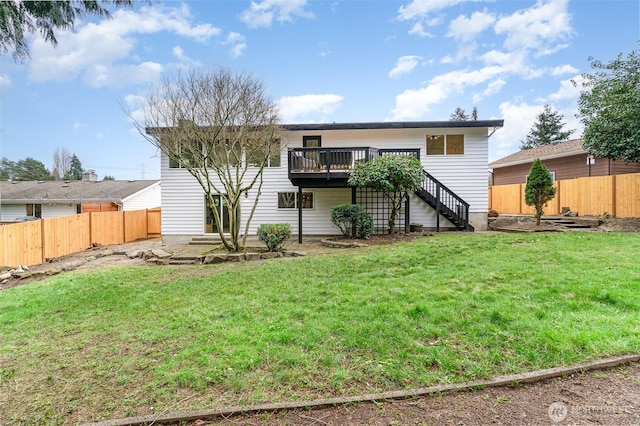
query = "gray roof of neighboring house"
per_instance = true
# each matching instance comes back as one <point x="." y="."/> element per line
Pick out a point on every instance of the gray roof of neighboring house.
<point x="71" y="191"/>
<point x="553" y="150"/>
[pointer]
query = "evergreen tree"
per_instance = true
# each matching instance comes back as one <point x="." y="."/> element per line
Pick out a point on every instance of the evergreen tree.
<point x="23" y="170"/>
<point x="539" y="189"/>
<point x="458" y="115"/>
<point x="75" y="169"/>
<point x="474" y="114"/>
<point x="7" y="169"/>
<point x="108" y="177"/>
<point x="546" y="129"/>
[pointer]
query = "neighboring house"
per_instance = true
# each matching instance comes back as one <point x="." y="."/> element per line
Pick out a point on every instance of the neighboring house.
<point x="310" y="176"/>
<point x="564" y="160"/>
<point x="47" y="199"/>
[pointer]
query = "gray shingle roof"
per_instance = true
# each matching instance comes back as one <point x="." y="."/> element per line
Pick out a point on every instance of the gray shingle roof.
<point x="554" y="150"/>
<point x="72" y="191"/>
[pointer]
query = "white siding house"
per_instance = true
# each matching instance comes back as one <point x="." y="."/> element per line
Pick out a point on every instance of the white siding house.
<point x="457" y="156"/>
<point x="49" y="199"/>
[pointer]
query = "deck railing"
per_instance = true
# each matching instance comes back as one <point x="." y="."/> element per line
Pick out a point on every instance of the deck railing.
<point x="328" y="160"/>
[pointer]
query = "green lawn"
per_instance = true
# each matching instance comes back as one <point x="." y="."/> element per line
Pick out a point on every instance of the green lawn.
<point x="136" y="340"/>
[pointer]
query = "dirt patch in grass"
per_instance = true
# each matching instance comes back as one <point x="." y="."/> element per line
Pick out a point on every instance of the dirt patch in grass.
<point x="604" y="397"/>
<point x="627" y="224"/>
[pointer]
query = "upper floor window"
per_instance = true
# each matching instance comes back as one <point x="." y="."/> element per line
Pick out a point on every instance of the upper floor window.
<point x="195" y="155"/>
<point x="273" y="155"/>
<point x="185" y="159"/>
<point x="311" y="141"/>
<point x="445" y="144"/>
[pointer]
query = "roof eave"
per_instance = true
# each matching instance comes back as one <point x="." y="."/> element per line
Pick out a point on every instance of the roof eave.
<point x="386" y="125"/>
<point x="542" y="157"/>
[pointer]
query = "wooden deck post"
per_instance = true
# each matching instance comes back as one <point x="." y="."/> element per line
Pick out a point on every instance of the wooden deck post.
<point x="353" y="201"/>
<point x="299" y="215"/>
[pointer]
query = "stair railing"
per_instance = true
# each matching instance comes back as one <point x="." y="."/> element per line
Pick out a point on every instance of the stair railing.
<point x="446" y="202"/>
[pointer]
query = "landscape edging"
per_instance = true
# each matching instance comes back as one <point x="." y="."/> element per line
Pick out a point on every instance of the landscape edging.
<point x="531" y="377"/>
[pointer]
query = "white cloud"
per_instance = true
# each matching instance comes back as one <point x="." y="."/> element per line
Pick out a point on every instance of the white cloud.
<point x="135" y="108"/>
<point x="564" y="69"/>
<point x="262" y="13"/>
<point x="518" y="120"/>
<point x="96" y="51"/>
<point x="110" y="75"/>
<point x="567" y="90"/>
<point x="419" y="30"/>
<point x="155" y="19"/>
<point x="237" y="50"/>
<point x="236" y="43"/>
<point x="184" y="61"/>
<point x="422" y="8"/>
<point x="414" y="104"/>
<point x="492" y="88"/>
<point x="296" y="109"/>
<point x="466" y="29"/>
<point x="404" y="65"/>
<point x="539" y="27"/>
<point x="465" y="51"/>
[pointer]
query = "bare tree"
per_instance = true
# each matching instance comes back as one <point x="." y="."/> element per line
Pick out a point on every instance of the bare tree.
<point x="223" y="129"/>
<point x="61" y="163"/>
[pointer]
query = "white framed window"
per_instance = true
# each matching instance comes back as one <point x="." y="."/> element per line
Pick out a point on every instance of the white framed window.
<point x="273" y="158"/>
<point x="551" y="174"/>
<point x="34" y="210"/>
<point x="289" y="200"/>
<point x="445" y="145"/>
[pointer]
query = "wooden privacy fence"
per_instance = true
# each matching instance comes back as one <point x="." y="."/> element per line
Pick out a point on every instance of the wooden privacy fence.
<point x="31" y="243"/>
<point x="617" y="195"/>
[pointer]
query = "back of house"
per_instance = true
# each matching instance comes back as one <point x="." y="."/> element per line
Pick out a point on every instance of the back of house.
<point x="310" y="174"/>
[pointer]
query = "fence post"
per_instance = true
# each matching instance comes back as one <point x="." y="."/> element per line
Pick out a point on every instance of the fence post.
<point x="614" y="198"/>
<point x="42" y="240"/>
<point x="558" y="207"/>
<point x="520" y="198"/>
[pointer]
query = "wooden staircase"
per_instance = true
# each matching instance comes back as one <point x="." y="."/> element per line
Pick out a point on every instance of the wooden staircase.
<point x="445" y="202"/>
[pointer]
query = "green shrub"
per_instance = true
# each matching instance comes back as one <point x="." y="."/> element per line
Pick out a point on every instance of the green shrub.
<point x="274" y="235"/>
<point x="347" y="216"/>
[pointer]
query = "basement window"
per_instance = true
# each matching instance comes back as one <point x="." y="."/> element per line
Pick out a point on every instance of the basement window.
<point x="445" y="144"/>
<point x="289" y="200"/>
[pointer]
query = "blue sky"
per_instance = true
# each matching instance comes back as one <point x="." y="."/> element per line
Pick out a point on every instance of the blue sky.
<point x="322" y="61"/>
